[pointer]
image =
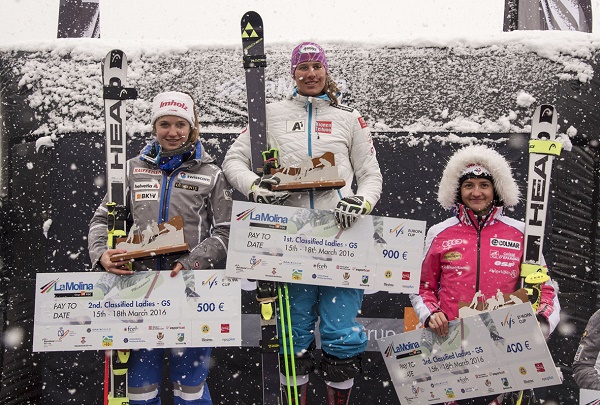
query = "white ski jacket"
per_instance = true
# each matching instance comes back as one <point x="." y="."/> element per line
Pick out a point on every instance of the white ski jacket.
<point x="305" y="127"/>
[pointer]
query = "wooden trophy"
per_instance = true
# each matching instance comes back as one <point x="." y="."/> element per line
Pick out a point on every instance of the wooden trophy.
<point x="498" y="301"/>
<point x="318" y="173"/>
<point x="156" y="239"/>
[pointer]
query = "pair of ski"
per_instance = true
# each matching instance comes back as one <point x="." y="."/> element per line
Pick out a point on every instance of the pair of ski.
<point x="114" y="76"/>
<point x="542" y="150"/>
<point x="270" y="294"/>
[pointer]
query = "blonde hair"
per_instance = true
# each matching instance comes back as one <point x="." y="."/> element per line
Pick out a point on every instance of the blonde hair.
<point x="195" y="132"/>
<point x="331" y="89"/>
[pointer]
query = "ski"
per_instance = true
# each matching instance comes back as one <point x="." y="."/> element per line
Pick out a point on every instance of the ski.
<point x="114" y="77"/>
<point x="255" y="62"/>
<point x="542" y="149"/>
<point x="254" y="65"/>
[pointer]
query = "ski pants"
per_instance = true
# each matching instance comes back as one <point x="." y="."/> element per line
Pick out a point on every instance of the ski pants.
<point x="189" y="369"/>
<point x="341" y="335"/>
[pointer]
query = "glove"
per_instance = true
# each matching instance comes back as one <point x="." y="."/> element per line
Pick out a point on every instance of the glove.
<point x="268" y="181"/>
<point x="348" y="210"/>
<point x="261" y="192"/>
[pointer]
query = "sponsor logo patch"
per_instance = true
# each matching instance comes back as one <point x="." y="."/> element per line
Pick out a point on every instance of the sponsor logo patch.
<point x="452" y="256"/>
<point x="504" y="243"/>
<point x="323" y="127"/>
<point x="186" y="186"/>
<point x="195" y="178"/>
<point x="362" y="122"/>
<point x="138" y="170"/>
<point x="294" y="126"/>
<point x="146" y="185"/>
<point x="146" y="196"/>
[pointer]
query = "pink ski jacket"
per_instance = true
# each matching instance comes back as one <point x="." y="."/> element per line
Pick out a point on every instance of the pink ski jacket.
<point x="463" y="257"/>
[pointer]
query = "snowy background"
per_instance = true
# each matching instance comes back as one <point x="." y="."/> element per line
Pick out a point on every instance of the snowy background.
<point x="371" y="41"/>
<point x="209" y="22"/>
<point x="424" y="74"/>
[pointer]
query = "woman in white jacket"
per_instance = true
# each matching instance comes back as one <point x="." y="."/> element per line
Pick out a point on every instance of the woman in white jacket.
<point x="306" y="125"/>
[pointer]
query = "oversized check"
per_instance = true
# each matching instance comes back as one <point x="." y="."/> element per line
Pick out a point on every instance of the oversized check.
<point x="300" y="245"/>
<point x="486" y="354"/>
<point x="86" y="311"/>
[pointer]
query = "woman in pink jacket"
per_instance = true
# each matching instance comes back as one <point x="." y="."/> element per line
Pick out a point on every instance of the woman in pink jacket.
<point x="476" y="254"/>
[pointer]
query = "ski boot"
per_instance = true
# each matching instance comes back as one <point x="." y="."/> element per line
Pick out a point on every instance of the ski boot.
<point x="337" y="396"/>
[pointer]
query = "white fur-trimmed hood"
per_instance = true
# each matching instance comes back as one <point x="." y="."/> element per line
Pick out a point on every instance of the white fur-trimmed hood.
<point x="505" y="185"/>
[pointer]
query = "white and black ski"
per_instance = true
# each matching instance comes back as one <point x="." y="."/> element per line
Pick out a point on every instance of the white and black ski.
<point x="254" y="64"/>
<point x="542" y="149"/>
<point x="114" y="78"/>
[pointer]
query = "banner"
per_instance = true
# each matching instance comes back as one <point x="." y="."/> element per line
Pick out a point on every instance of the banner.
<point x="93" y="310"/>
<point x="562" y="15"/>
<point x="589" y="397"/>
<point x="486" y="354"/>
<point x="79" y="19"/>
<point x="300" y="245"/>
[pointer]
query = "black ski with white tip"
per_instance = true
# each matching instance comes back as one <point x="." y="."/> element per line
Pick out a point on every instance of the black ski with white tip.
<point x="114" y="78"/>
<point x="254" y="64"/>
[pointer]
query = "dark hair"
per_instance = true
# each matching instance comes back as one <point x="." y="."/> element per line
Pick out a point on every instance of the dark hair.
<point x="496" y="199"/>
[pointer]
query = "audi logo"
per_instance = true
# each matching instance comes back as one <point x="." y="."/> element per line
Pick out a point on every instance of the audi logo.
<point x="452" y="242"/>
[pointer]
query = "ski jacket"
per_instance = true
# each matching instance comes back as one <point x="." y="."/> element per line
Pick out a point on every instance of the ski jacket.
<point x="586" y="365"/>
<point x="463" y="257"/>
<point x="196" y="190"/>
<point x="305" y="127"/>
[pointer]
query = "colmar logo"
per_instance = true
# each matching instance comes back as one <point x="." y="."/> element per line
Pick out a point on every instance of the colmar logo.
<point x="509" y="244"/>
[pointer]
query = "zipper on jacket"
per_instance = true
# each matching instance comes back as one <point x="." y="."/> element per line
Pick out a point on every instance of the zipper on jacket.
<point x="309" y="110"/>
<point x="478" y="259"/>
<point x="163" y="212"/>
<point x="316" y="126"/>
<point x="480" y="225"/>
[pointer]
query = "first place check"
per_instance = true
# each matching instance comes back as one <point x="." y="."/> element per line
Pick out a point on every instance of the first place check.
<point x="306" y="246"/>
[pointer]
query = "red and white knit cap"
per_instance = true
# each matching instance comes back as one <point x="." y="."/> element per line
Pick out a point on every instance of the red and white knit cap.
<point x="173" y="103"/>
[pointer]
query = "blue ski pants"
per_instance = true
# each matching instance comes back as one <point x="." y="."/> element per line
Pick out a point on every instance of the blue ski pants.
<point x="188" y="371"/>
<point x="341" y="335"/>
